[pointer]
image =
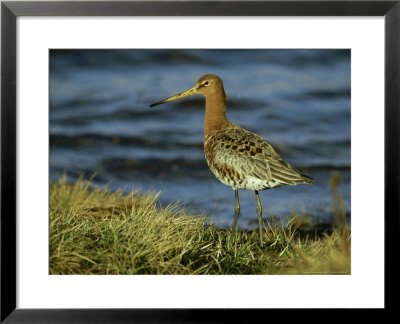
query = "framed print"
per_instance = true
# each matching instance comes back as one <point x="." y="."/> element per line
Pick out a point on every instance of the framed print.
<point x="104" y="196"/>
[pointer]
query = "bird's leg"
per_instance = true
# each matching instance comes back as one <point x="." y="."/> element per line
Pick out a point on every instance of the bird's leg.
<point x="237" y="211"/>
<point x="259" y="213"/>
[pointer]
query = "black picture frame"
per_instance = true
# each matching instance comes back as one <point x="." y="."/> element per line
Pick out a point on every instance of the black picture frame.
<point x="10" y="10"/>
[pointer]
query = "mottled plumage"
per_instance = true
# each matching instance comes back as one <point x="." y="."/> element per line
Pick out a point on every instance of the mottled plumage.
<point x="237" y="157"/>
<point x="243" y="160"/>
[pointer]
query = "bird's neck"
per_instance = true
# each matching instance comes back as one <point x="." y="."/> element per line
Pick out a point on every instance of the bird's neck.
<point x="215" y="117"/>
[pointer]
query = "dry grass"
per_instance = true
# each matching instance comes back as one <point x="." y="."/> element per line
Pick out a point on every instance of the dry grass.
<point x="96" y="231"/>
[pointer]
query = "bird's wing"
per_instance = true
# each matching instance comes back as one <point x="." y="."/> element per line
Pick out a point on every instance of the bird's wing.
<point x="249" y="154"/>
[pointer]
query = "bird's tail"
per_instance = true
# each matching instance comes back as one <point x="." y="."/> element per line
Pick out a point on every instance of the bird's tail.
<point x="307" y="179"/>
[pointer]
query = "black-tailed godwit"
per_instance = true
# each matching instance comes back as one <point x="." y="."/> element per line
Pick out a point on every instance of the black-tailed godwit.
<point x="237" y="157"/>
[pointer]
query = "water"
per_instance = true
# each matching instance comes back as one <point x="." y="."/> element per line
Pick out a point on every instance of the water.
<point x="299" y="100"/>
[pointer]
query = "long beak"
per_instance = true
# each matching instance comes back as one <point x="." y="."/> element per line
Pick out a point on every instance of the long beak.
<point x="183" y="94"/>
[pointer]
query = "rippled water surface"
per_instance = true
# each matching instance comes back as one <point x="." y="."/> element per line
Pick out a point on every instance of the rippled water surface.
<point x="299" y="100"/>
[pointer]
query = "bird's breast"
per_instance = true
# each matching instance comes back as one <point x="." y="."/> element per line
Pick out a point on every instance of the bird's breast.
<point x="232" y="160"/>
<point x="228" y="166"/>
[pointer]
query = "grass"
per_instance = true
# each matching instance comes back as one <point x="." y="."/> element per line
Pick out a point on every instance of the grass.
<point x="97" y="231"/>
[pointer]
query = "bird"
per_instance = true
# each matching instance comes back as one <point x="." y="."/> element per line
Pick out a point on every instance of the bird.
<point x="237" y="157"/>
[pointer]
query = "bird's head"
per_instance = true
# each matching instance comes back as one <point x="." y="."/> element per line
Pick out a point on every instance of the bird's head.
<point x="208" y="84"/>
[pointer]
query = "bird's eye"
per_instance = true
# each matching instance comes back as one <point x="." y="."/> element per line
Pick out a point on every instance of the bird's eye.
<point x="206" y="83"/>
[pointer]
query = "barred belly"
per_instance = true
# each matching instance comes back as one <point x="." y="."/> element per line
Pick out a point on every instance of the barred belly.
<point x="238" y="180"/>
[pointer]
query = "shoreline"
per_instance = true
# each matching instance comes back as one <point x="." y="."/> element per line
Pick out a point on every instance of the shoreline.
<point x="98" y="231"/>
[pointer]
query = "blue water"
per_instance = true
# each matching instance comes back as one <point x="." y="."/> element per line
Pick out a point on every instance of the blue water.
<point x="299" y="100"/>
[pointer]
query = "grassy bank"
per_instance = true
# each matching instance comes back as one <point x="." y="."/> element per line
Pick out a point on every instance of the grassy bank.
<point x="96" y="231"/>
